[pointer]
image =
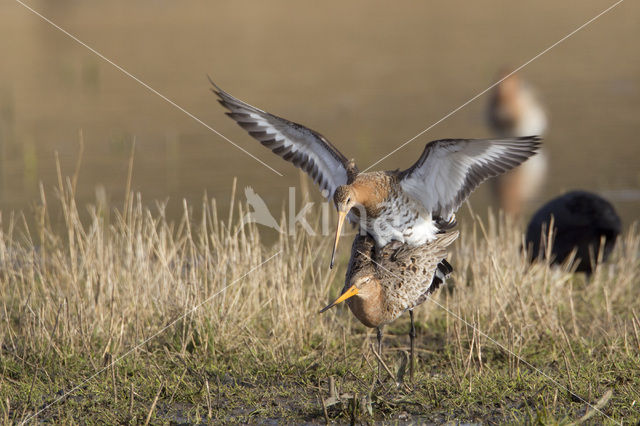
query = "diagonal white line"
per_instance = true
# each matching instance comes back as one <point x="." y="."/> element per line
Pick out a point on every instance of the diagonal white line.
<point x="495" y="84"/>
<point x="500" y="345"/>
<point x="145" y="85"/>
<point x="75" y="388"/>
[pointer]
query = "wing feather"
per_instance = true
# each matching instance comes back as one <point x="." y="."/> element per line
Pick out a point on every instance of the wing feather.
<point x="305" y="148"/>
<point x="450" y="169"/>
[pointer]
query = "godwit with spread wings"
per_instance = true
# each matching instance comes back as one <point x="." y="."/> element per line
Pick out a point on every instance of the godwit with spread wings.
<point x="411" y="206"/>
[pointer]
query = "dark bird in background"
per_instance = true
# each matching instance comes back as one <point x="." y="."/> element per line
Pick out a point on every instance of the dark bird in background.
<point x="580" y="220"/>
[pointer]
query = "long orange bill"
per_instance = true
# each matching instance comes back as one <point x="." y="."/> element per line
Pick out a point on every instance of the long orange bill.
<point x="352" y="291"/>
<point x="341" y="216"/>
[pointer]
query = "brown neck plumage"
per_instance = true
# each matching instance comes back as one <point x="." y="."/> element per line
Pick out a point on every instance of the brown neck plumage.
<point x="368" y="305"/>
<point x="508" y="95"/>
<point x="369" y="194"/>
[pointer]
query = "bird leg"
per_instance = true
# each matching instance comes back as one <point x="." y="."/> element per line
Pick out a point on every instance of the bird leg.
<point x="412" y="336"/>
<point x="379" y="336"/>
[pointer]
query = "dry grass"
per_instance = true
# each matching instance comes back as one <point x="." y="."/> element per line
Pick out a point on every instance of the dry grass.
<point x="75" y="300"/>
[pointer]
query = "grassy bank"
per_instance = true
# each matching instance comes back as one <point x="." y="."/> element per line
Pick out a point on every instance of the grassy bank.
<point x="199" y="321"/>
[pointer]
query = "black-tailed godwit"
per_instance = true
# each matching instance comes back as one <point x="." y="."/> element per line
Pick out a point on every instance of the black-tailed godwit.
<point x="381" y="284"/>
<point x="411" y="206"/>
<point x="515" y="110"/>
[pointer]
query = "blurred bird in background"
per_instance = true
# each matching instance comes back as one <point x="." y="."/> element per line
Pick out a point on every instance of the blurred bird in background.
<point x="514" y="110"/>
<point x="582" y="222"/>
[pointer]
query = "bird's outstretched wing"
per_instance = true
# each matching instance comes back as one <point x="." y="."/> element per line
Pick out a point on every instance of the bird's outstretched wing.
<point x="305" y="148"/>
<point x="449" y="169"/>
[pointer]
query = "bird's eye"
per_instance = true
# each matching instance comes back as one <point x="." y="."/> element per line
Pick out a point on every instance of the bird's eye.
<point x="348" y="199"/>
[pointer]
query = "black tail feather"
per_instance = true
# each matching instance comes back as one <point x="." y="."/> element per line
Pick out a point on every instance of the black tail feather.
<point x="445" y="225"/>
<point x="443" y="272"/>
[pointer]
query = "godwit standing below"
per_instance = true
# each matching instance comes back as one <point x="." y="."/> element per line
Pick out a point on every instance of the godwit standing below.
<point x="382" y="284"/>
<point x="410" y="206"/>
<point x="514" y="110"/>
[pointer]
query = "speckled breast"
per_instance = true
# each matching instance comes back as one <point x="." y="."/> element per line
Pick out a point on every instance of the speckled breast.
<point x="402" y="219"/>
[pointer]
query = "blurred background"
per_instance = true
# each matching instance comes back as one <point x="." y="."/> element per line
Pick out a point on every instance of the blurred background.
<point x="369" y="75"/>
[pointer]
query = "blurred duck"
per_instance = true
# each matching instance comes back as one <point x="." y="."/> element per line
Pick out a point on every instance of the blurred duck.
<point x="381" y="285"/>
<point x="581" y="222"/>
<point x="515" y="111"/>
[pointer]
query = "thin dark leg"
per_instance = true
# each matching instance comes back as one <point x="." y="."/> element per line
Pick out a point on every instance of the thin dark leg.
<point x="412" y="336"/>
<point x="379" y="335"/>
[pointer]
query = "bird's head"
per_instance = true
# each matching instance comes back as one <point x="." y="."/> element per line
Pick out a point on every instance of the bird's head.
<point x="362" y="285"/>
<point x="345" y="199"/>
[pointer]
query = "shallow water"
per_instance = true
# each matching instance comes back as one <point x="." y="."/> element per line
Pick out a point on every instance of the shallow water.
<point x="368" y="75"/>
